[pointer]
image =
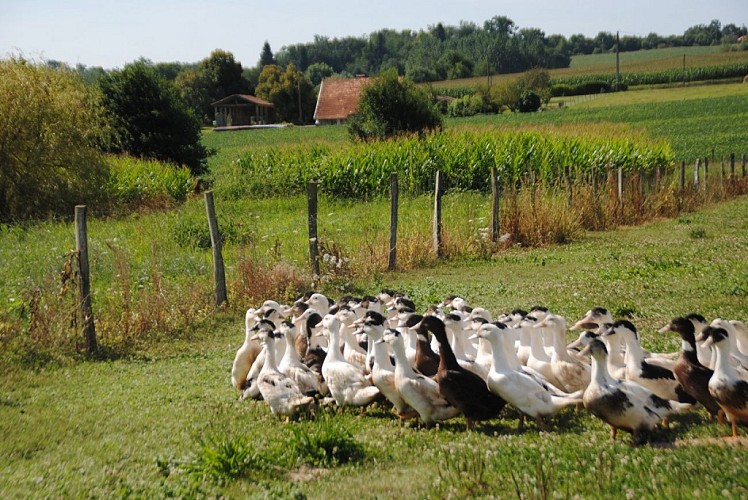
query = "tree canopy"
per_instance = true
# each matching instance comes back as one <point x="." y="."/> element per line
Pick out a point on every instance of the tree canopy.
<point x="392" y="106"/>
<point x="51" y="126"/>
<point x="150" y="118"/>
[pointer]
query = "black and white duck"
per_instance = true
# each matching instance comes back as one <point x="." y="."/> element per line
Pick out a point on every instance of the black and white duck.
<point x="623" y="404"/>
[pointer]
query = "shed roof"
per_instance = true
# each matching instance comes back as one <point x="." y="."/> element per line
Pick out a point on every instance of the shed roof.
<point x="242" y="99"/>
<point x="338" y="97"/>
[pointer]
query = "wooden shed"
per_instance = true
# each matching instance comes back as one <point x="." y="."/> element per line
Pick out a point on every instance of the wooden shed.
<point x="241" y="109"/>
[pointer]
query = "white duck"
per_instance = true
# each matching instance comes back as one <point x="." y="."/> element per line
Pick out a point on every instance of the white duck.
<point x="623" y="404"/>
<point x="278" y="390"/>
<point x="571" y="373"/>
<point x="457" y="322"/>
<point x="517" y="388"/>
<point x="308" y="381"/>
<point x="737" y="358"/>
<point x="741" y="336"/>
<point x="383" y="371"/>
<point x="538" y="359"/>
<point x="419" y="392"/>
<point x="352" y="351"/>
<point x="246" y="354"/>
<point x="726" y="386"/>
<point x="348" y="384"/>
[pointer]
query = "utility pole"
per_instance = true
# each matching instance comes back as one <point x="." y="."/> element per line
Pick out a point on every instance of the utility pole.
<point x="683" y="72"/>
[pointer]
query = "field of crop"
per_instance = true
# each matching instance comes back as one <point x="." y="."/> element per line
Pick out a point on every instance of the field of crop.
<point x="696" y="121"/>
<point x="156" y="417"/>
<point x="632" y="63"/>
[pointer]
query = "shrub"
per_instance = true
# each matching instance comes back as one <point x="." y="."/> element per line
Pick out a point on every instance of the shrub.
<point x="391" y="106"/>
<point x="528" y="102"/>
<point x="50" y="128"/>
<point x="150" y="118"/>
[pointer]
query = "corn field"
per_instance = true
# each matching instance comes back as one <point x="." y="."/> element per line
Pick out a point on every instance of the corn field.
<point x="362" y="171"/>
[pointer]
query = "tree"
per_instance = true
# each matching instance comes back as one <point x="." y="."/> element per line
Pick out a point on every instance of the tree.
<point x="392" y="106"/>
<point x="150" y="118"/>
<point x="317" y="72"/>
<point x="287" y="89"/>
<point x="51" y="128"/>
<point x="266" y="56"/>
<point x="215" y="77"/>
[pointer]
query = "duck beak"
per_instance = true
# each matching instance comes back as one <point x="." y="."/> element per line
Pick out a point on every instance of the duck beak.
<point x="664" y="329"/>
<point x="575" y="344"/>
<point x="254" y="337"/>
<point x="584" y="324"/>
<point x="586" y="351"/>
<point x="474" y="336"/>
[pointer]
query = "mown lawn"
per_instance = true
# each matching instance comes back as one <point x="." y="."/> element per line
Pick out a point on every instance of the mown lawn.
<point x="159" y="423"/>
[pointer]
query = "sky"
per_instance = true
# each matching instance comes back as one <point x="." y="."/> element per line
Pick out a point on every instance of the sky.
<point x="113" y="33"/>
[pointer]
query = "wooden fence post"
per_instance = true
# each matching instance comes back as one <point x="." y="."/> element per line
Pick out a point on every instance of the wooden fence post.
<point x="311" y="196"/>
<point x="696" y="174"/>
<point x="84" y="283"/>
<point x="219" y="272"/>
<point x="394" y="194"/>
<point x="742" y="161"/>
<point x="732" y="166"/>
<point x="438" y="215"/>
<point x="706" y="172"/>
<point x="495" y="205"/>
<point x="620" y="189"/>
<point x="682" y="177"/>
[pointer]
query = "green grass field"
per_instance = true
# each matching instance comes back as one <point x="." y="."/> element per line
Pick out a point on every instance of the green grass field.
<point x="163" y="420"/>
<point x="643" y="61"/>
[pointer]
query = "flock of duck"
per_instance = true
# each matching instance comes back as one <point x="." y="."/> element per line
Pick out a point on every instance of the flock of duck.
<point x="456" y="360"/>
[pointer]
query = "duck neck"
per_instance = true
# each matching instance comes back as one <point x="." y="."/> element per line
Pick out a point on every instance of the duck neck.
<point x="447" y="358"/>
<point x="536" y="346"/>
<point x="381" y="355"/>
<point x="499" y="363"/>
<point x="456" y="346"/>
<point x="559" y="347"/>
<point x="634" y="351"/>
<point x="599" y="372"/>
<point x="402" y="366"/>
<point x="290" y="354"/>
<point x="688" y="352"/>
<point x="615" y="357"/>
<point x="333" y="349"/>
<point x="510" y="354"/>
<point x="270" y="360"/>
<point x="722" y="363"/>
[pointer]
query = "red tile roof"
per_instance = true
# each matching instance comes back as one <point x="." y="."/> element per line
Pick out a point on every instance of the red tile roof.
<point x="338" y="97"/>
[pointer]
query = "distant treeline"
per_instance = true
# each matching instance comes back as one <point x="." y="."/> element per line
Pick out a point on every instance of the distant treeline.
<point x="499" y="46"/>
<point x="443" y="52"/>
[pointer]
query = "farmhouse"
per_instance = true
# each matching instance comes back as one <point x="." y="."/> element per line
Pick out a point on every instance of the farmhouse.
<point x="338" y="98"/>
<point x="241" y="110"/>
